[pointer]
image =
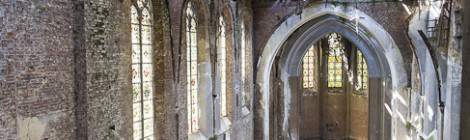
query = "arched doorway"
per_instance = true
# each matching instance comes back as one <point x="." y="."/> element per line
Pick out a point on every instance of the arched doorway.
<point x="332" y="91"/>
<point x="278" y="112"/>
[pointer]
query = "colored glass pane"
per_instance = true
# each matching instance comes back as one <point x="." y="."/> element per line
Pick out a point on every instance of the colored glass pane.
<point x="142" y="70"/>
<point x="310" y="69"/>
<point x="192" y="70"/>
<point x="362" y="72"/>
<point x="335" y="61"/>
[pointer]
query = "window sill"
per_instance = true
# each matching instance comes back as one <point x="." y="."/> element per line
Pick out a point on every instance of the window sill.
<point x="197" y="136"/>
<point x="224" y="125"/>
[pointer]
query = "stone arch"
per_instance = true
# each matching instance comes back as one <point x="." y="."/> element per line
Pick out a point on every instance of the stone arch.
<point x="378" y="46"/>
<point x="204" y="68"/>
<point x="222" y="124"/>
<point x="429" y="83"/>
<point x="244" y="17"/>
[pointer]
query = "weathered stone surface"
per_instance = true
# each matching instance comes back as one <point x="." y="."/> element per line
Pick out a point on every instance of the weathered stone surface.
<point x="36" y="68"/>
<point x="465" y="100"/>
<point x="65" y="67"/>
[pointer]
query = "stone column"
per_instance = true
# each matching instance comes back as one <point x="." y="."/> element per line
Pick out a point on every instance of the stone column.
<point x="465" y="99"/>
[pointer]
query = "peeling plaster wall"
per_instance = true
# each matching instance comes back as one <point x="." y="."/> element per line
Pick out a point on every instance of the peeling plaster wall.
<point x="35" y="128"/>
<point x="31" y="128"/>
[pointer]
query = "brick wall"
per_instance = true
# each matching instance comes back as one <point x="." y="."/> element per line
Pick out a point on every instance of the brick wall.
<point x="65" y="70"/>
<point x="106" y="81"/>
<point x="36" y="69"/>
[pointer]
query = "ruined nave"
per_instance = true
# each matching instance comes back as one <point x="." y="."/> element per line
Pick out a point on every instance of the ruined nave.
<point x="234" y="69"/>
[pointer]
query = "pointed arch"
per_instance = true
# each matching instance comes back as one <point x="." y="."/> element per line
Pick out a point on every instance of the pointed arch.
<point x="197" y="69"/>
<point x="142" y="69"/>
<point x="245" y="54"/>
<point x="225" y="67"/>
<point x="298" y="31"/>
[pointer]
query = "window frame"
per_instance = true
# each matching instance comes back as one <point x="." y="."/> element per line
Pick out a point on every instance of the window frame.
<point x="243" y="63"/>
<point x="222" y="64"/>
<point x="310" y="68"/>
<point x="192" y="73"/>
<point x="139" y="6"/>
<point x="362" y="74"/>
<point x="335" y="62"/>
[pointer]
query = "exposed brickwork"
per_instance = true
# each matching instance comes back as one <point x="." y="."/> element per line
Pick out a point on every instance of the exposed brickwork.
<point x="392" y="16"/>
<point x="65" y="65"/>
<point x="68" y="62"/>
<point x="107" y="65"/>
<point x="36" y="67"/>
<point x="165" y="119"/>
<point x="39" y="69"/>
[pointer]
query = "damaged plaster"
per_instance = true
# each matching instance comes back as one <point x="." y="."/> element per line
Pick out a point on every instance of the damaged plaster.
<point x="31" y="128"/>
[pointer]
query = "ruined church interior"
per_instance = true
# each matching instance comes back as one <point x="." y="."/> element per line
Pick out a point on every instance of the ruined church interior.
<point x="234" y="70"/>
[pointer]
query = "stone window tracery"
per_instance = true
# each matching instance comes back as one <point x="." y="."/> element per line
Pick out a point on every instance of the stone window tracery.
<point x="335" y="61"/>
<point x="243" y="59"/>
<point x="310" y="69"/>
<point x="222" y="65"/>
<point x="142" y="70"/>
<point x="362" y="73"/>
<point x="192" y="69"/>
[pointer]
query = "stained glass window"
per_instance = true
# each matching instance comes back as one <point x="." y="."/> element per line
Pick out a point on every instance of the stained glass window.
<point x="362" y="73"/>
<point x="221" y="64"/>
<point x="142" y="70"/>
<point x="310" y="69"/>
<point x="192" y="70"/>
<point x="243" y="63"/>
<point x="335" y="61"/>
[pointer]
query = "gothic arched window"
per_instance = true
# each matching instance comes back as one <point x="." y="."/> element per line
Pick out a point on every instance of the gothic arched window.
<point x="335" y="61"/>
<point x="310" y="69"/>
<point x="142" y="70"/>
<point x="362" y="74"/>
<point x="192" y="69"/>
<point x="222" y="65"/>
<point x="243" y="63"/>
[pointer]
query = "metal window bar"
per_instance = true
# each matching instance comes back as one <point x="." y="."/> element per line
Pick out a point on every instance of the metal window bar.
<point x="335" y="61"/>
<point x="192" y="70"/>
<point x="141" y="20"/>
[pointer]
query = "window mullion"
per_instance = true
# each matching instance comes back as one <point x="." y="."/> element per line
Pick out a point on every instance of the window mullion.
<point x="141" y="85"/>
